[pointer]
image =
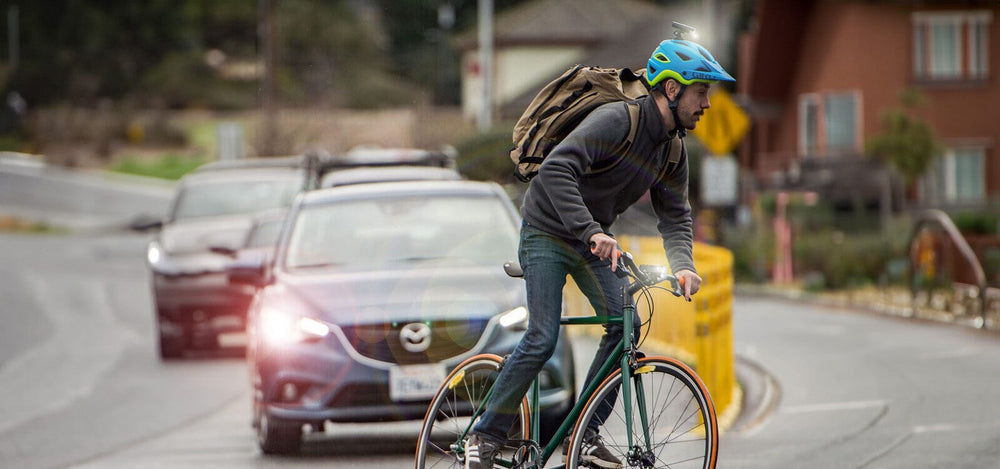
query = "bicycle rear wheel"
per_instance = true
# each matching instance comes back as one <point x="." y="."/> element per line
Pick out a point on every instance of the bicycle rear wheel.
<point x="680" y="416"/>
<point x="442" y="437"/>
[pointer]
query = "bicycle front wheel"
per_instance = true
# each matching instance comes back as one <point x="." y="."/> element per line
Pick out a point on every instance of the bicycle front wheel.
<point x="449" y="417"/>
<point x="669" y="403"/>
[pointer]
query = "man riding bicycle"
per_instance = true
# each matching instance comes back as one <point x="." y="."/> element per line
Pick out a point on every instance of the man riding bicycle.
<point x="567" y="216"/>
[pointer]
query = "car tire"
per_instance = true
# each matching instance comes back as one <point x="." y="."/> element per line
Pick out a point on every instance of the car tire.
<point x="278" y="437"/>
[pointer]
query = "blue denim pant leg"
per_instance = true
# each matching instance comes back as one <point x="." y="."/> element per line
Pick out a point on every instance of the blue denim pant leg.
<point x="603" y="288"/>
<point x="546" y="261"/>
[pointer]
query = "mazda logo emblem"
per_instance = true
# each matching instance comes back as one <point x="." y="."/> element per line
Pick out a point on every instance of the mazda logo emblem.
<point x="415" y="337"/>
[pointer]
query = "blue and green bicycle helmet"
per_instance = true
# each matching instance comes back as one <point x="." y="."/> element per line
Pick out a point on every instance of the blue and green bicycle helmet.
<point x="686" y="62"/>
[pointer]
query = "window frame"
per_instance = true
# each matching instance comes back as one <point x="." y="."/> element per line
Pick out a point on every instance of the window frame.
<point x="941" y="185"/>
<point x="970" y="57"/>
<point x="820" y="102"/>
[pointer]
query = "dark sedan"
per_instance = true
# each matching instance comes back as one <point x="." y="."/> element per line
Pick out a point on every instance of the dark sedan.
<point x="212" y="210"/>
<point x="375" y="292"/>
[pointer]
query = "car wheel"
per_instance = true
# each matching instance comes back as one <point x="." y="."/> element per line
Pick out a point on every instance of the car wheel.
<point x="278" y="437"/>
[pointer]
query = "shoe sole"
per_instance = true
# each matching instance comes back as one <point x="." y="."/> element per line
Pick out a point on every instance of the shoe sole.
<point x="592" y="461"/>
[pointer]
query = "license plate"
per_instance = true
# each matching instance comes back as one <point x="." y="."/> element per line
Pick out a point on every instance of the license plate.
<point x="415" y="382"/>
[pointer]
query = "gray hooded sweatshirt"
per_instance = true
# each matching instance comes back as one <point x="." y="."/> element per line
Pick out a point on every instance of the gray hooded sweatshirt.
<point x="567" y="202"/>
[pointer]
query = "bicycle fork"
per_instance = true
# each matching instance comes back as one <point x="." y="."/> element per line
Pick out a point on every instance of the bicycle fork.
<point x="641" y="454"/>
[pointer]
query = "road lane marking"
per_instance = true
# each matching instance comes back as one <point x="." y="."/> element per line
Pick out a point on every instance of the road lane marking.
<point x="834" y="406"/>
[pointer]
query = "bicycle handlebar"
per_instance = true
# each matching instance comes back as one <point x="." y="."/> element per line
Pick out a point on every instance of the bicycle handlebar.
<point x="646" y="275"/>
<point x="643" y="276"/>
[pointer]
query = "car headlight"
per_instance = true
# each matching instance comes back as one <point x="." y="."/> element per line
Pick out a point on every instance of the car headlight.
<point x="515" y="319"/>
<point x="154" y="253"/>
<point x="281" y="327"/>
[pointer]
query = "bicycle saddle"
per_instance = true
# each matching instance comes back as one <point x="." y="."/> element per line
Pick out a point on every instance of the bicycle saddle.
<point x="513" y="269"/>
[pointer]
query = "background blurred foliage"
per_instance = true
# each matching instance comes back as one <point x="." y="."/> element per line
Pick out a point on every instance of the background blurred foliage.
<point x="347" y="53"/>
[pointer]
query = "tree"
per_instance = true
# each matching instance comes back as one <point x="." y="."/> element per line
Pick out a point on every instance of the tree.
<point x="907" y="143"/>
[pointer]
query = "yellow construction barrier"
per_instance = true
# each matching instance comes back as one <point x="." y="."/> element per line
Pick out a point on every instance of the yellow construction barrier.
<point x="700" y="333"/>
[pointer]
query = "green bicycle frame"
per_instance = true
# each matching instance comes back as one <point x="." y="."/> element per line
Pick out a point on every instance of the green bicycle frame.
<point x="618" y="359"/>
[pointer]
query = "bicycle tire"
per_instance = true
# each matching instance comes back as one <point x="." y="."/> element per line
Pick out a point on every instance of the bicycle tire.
<point x="683" y="428"/>
<point x="448" y="413"/>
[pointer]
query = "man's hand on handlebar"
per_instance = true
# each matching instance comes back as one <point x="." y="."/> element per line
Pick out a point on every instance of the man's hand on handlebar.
<point x="605" y="247"/>
<point x="689" y="281"/>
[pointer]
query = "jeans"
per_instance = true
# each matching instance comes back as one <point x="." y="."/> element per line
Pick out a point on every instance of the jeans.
<point x="546" y="261"/>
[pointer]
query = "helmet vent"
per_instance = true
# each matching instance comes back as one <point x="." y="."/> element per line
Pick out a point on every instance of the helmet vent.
<point x="704" y="53"/>
<point x="661" y="57"/>
<point x="683" y="56"/>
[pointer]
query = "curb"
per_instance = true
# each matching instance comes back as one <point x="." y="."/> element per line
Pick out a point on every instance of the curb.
<point x="760" y="398"/>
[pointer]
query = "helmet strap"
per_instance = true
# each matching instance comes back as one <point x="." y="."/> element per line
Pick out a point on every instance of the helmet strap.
<point x="672" y="104"/>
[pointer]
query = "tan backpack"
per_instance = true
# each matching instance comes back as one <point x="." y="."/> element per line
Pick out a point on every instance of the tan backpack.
<point x="563" y="103"/>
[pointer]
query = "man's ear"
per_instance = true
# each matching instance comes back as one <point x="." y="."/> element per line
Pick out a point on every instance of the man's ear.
<point x="671" y="88"/>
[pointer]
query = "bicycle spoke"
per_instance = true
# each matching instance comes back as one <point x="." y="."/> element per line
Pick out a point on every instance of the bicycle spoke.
<point x="675" y="414"/>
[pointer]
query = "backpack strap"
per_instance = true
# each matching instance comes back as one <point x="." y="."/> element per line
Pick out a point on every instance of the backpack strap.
<point x="673" y="157"/>
<point x="633" y="128"/>
<point x="676" y="144"/>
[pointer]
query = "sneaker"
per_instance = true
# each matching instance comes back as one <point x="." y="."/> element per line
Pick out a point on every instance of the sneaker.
<point x="479" y="453"/>
<point x="593" y="453"/>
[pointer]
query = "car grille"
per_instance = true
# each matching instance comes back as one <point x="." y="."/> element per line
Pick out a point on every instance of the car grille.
<point x="382" y="342"/>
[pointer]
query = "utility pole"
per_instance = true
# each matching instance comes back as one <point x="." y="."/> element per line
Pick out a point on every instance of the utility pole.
<point x="710" y="40"/>
<point x="268" y="131"/>
<point x="486" y="63"/>
<point x="13" y="37"/>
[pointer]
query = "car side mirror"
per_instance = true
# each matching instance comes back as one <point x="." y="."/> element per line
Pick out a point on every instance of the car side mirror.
<point x="145" y="222"/>
<point x="247" y="271"/>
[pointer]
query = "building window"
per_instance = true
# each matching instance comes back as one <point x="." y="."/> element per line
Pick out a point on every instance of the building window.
<point x="841" y="122"/>
<point x="809" y="124"/>
<point x="951" y="45"/>
<point x="959" y="175"/>
<point x="828" y="123"/>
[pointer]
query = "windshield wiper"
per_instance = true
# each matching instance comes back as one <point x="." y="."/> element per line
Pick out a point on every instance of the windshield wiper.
<point x="317" y="265"/>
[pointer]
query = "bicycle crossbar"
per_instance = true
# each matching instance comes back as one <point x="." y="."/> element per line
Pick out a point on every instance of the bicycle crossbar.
<point x="579" y="320"/>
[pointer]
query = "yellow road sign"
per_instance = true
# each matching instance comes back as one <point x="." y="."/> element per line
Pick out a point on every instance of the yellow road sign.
<point x="723" y="125"/>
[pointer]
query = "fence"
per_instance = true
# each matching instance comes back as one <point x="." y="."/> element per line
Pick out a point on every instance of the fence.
<point x="700" y="333"/>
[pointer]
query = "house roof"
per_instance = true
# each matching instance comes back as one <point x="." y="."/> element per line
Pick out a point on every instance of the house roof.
<point x="630" y="48"/>
<point x="565" y="22"/>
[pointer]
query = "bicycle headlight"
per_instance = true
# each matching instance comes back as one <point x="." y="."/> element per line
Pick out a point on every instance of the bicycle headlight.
<point x="280" y="327"/>
<point x="515" y="319"/>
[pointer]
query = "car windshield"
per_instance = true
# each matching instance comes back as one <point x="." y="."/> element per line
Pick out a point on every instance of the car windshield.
<point x="209" y="199"/>
<point x="264" y="234"/>
<point x="386" y="231"/>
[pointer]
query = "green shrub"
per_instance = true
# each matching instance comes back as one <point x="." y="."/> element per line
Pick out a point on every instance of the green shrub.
<point x="982" y="223"/>
<point x="485" y="156"/>
<point x="753" y="253"/>
<point x="846" y="261"/>
<point x="170" y="166"/>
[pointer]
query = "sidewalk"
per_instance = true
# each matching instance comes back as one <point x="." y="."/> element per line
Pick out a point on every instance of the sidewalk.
<point x="958" y="306"/>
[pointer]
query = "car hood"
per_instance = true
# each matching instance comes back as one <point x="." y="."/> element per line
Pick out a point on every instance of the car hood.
<point x="198" y="234"/>
<point x="418" y="294"/>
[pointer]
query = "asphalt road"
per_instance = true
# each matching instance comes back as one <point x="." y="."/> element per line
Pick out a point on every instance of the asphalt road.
<point x="83" y="387"/>
<point x="858" y="390"/>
